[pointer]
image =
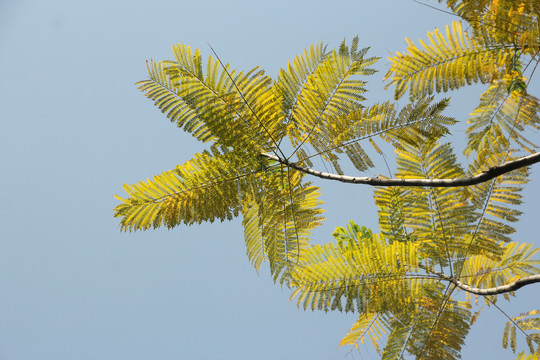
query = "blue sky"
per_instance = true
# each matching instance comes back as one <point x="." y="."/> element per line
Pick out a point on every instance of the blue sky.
<point x="74" y="128"/>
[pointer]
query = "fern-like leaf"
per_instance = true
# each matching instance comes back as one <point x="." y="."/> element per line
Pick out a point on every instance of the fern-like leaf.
<point x="233" y="109"/>
<point x="205" y="188"/>
<point x="372" y="325"/>
<point x="322" y="87"/>
<point x="278" y="218"/>
<point x="529" y="323"/>
<point x="515" y="262"/>
<point x="446" y="63"/>
<point x="440" y="327"/>
<point x="502" y="116"/>
<point x="412" y="124"/>
<point x="398" y="338"/>
<point x="508" y="21"/>
<point x="439" y="218"/>
<point x="366" y="273"/>
<point x="496" y="204"/>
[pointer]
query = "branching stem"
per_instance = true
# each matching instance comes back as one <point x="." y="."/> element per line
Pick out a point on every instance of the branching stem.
<point x="486" y="175"/>
<point x="495" y="290"/>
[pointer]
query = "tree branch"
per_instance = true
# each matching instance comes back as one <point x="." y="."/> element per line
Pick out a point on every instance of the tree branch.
<point x="496" y="290"/>
<point x="376" y="181"/>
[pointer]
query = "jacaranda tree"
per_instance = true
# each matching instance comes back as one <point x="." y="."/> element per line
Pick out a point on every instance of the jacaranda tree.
<point x="445" y="228"/>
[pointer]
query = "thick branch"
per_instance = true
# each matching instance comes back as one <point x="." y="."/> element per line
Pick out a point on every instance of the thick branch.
<point x="376" y="181"/>
<point x="496" y="290"/>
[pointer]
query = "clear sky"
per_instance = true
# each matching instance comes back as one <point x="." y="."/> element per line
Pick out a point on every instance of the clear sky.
<point x="74" y="128"/>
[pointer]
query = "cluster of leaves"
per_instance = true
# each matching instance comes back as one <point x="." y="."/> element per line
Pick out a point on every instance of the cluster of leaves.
<point x="401" y="281"/>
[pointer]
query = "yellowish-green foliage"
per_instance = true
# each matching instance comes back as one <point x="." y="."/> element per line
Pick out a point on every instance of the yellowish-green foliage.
<point x="502" y="115"/>
<point x="508" y="21"/>
<point x="405" y="283"/>
<point x="525" y="322"/>
<point x="450" y="60"/>
<point x="516" y="261"/>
